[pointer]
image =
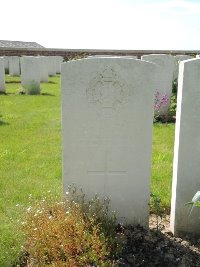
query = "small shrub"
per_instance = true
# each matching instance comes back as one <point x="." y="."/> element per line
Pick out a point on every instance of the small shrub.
<point x="98" y="209"/>
<point x="32" y="88"/>
<point x="161" y="102"/>
<point x="173" y="105"/>
<point x="175" y="87"/>
<point x="157" y="209"/>
<point x="165" y="107"/>
<point x="73" y="233"/>
<point x="161" y="106"/>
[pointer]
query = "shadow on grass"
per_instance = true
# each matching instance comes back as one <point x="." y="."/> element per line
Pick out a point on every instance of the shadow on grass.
<point x="52" y="82"/>
<point x="47" y="94"/>
<point x="3" y="123"/>
<point x="10" y="93"/>
<point x="13" y="81"/>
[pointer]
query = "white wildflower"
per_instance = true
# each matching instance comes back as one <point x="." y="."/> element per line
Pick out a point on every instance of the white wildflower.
<point x="29" y="208"/>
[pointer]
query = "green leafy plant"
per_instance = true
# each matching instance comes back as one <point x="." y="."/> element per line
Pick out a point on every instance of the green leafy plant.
<point x="157" y="209"/>
<point x="175" y="86"/>
<point x="195" y="202"/>
<point x="173" y="105"/>
<point x="32" y="88"/>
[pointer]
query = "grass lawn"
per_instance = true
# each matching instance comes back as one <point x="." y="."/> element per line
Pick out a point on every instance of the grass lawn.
<point x="162" y="162"/>
<point x="30" y="157"/>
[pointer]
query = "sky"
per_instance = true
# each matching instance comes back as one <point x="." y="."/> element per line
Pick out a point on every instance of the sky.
<point x="105" y="24"/>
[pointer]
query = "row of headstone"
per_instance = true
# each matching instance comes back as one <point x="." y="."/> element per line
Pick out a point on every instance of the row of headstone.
<point x="37" y="69"/>
<point x="107" y="138"/>
<point x="167" y="72"/>
<point x="2" y="75"/>
<point x="13" y="64"/>
<point x="32" y="69"/>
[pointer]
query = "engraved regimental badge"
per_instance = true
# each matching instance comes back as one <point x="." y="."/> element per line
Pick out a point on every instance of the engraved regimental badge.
<point x="107" y="89"/>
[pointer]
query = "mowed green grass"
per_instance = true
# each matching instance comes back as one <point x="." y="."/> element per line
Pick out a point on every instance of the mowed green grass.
<point x="30" y="155"/>
<point x="31" y="161"/>
<point x="162" y="162"/>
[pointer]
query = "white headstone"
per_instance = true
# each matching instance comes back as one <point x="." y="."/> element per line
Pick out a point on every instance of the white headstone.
<point x="6" y="63"/>
<point x="43" y="64"/>
<point x="179" y="58"/>
<point x="186" y="171"/>
<point x="30" y="71"/>
<point x="51" y="65"/>
<point x="14" y="66"/>
<point x="107" y="115"/>
<point x="2" y="75"/>
<point x="165" y="71"/>
<point x="59" y="61"/>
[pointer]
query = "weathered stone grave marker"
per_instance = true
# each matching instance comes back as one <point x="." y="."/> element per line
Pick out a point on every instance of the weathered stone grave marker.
<point x="6" y="64"/>
<point x="2" y="75"/>
<point x="59" y="61"/>
<point x="51" y="65"/>
<point x="14" y="66"/>
<point x="178" y="59"/>
<point x="43" y="65"/>
<point x="165" y="72"/>
<point x="186" y="170"/>
<point x="30" y="73"/>
<point x="107" y="115"/>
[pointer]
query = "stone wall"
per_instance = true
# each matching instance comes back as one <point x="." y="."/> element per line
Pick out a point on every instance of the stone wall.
<point x="67" y="53"/>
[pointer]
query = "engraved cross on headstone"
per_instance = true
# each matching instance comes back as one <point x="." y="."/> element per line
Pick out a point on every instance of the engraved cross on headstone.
<point x="106" y="172"/>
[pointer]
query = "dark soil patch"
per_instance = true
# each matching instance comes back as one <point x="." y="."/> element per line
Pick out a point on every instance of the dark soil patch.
<point x="150" y="248"/>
